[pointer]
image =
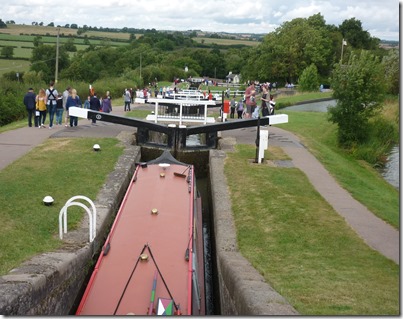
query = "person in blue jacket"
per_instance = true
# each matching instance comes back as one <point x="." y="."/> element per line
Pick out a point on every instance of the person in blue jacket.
<point x="73" y="100"/>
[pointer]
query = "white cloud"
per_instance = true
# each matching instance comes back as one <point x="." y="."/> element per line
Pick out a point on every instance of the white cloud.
<point x="259" y="16"/>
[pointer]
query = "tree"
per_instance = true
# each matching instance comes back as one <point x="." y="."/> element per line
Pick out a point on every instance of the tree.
<point x="292" y="47"/>
<point x="2" y="25"/>
<point x="357" y="37"/>
<point x="359" y="90"/>
<point x="44" y="59"/>
<point x="37" y="41"/>
<point x="309" y="79"/>
<point x="7" y="52"/>
<point x="69" y="45"/>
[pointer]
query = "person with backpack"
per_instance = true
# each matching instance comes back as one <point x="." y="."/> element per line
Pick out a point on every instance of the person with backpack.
<point x="51" y="101"/>
<point x="73" y="100"/>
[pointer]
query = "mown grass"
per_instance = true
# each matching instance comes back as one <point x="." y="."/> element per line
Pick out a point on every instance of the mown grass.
<point x="363" y="182"/>
<point x="61" y="168"/>
<point x="302" y="247"/>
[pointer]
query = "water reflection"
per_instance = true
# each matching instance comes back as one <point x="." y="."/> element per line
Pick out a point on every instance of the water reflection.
<point x="194" y="140"/>
<point x="312" y="107"/>
<point x="391" y="171"/>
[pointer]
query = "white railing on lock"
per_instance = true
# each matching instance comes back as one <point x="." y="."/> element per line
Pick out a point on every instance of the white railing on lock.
<point x="181" y="118"/>
<point x="92" y="216"/>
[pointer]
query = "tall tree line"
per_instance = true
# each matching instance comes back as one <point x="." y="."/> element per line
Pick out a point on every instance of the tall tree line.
<point x="282" y="56"/>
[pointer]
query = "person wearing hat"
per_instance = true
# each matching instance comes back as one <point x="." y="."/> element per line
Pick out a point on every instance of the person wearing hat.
<point x="29" y="102"/>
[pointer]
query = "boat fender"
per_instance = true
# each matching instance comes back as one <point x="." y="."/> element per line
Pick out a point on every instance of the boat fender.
<point x="107" y="248"/>
<point x="187" y="254"/>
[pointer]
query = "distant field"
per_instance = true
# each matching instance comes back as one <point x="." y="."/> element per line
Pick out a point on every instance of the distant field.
<point x="17" y="29"/>
<point x="21" y="37"/>
<point x="13" y="65"/>
<point x="226" y="41"/>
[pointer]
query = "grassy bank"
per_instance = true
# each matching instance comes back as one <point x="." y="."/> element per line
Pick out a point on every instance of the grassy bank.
<point x="363" y="181"/>
<point x="61" y="168"/>
<point x="302" y="247"/>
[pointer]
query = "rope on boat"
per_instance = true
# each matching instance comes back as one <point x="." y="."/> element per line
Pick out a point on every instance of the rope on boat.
<point x="131" y="275"/>
<point x="128" y="281"/>
<point x="163" y="280"/>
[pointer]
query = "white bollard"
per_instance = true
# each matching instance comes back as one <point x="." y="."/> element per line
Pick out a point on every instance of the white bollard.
<point x="263" y="144"/>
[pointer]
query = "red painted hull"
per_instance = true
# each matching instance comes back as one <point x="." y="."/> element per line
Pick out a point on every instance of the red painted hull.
<point x="160" y="216"/>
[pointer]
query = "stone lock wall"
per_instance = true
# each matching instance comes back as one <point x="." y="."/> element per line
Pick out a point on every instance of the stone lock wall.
<point x="243" y="291"/>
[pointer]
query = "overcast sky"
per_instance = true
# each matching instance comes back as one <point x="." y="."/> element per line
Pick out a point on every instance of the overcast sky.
<point x="379" y="18"/>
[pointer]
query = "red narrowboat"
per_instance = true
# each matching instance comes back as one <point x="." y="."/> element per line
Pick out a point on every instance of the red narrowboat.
<point x="152" y="262"/>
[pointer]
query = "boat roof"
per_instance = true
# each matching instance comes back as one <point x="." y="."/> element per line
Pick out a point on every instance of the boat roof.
<point x="155" y="219"/>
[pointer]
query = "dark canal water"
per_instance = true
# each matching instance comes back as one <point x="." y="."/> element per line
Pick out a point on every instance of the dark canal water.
<point x="390" y="172"/>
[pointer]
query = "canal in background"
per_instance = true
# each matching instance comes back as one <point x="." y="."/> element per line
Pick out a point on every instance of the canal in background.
<point x="390" y="172"/>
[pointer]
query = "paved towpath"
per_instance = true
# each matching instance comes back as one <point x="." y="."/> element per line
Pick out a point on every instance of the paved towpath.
<point x="375" y="232"/>
<point x="16" y="143"/>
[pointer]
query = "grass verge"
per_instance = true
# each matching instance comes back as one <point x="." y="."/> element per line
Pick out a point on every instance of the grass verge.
<point x="362" y="181"/>
<point x="61" y="168"/>
<point x="302" y="247"/>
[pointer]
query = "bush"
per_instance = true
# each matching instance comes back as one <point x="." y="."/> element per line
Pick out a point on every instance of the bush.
<point x="309" y="79"/>
<point x="359" y="91"/>
<point x="11" y="108"/>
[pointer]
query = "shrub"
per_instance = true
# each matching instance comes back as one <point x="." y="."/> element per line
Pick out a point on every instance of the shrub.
<point x="309" y="79"/>
<point x="11" y="108"/>
<point x="359" y="90"/>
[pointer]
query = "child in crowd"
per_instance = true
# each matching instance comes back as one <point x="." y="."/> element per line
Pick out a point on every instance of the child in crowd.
<point x="59" y="109"/>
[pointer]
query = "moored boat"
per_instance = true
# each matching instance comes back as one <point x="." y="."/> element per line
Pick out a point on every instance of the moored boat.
<point x="152" y="262"/>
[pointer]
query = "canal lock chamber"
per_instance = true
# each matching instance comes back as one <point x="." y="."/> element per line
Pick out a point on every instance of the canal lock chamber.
<point x="199" y="158"/>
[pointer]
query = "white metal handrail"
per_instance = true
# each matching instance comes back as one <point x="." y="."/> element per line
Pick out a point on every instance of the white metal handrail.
<point x="181" y="118"/>
<point x="92" y="216"/>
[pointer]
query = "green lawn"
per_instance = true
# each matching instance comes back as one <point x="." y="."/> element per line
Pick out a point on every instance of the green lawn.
<point x="61" y="168"/>
<point x="302" y="247"/>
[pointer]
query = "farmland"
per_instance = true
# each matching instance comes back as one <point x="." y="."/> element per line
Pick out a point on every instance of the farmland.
<point x="21" y="39"/>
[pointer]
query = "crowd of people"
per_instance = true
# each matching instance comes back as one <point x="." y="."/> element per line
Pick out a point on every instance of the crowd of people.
<point x="53" y="103"/>
<point x="248" y="106"/>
